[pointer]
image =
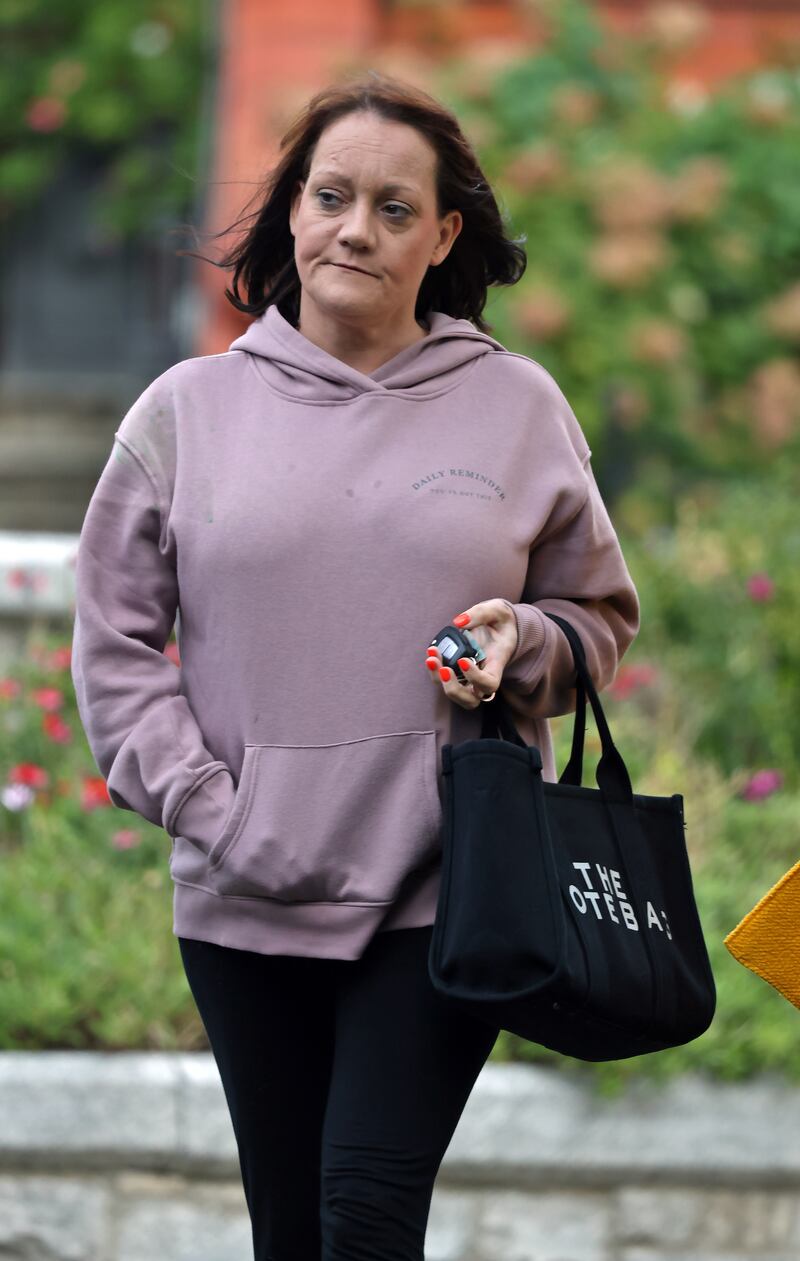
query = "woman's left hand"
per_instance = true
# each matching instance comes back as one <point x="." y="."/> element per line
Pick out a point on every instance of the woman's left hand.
<point x="493" y="625"/>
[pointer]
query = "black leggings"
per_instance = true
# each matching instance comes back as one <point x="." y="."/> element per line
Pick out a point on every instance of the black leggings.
<point x="345" y="1080"/>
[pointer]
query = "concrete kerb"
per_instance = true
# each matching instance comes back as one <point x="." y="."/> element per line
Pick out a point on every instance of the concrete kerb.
<point x="523" y="1126"/>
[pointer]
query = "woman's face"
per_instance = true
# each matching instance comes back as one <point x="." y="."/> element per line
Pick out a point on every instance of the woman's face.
<point x="370" y="201"/>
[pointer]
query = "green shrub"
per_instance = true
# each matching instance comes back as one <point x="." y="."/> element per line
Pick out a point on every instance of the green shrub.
<point x="662" y="228"/>
<point x="87" y="955"/>
<point x="119" y="82"/>
<point x="719" y="596"/>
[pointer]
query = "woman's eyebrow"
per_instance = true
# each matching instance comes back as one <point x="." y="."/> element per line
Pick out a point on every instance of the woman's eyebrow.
<point x="389" y="187"/>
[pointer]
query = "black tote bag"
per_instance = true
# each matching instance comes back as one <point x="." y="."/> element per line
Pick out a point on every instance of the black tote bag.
<point x="566" y="914"/>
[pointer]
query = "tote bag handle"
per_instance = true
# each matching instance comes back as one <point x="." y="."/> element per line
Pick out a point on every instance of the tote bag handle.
<point x="611" y="774"/>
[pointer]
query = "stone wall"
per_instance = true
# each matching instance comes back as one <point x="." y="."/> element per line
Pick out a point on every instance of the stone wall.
<point x="130" y="1157"/>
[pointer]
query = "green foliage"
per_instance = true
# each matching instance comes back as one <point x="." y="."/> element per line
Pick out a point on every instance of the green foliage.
<point x="122" y="81"/>
<point x="87" y="954"/>
<point x="662" y="229"/>
<point x="719" y="595"/>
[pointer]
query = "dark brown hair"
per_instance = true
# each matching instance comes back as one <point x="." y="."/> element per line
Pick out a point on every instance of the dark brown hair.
<point x="481" y="255"/>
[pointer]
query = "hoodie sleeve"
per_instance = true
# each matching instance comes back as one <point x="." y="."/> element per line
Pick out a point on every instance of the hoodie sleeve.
<point x="576" y="569"/>
<point x="140" y="729"/>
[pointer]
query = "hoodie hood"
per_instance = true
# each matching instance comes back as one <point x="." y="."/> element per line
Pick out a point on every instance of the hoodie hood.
<point x="295" y="366"/>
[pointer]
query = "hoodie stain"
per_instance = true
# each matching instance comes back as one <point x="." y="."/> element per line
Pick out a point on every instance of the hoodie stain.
<point x="205" y="496"/>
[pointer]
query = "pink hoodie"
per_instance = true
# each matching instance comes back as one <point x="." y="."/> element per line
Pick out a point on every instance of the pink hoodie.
<point x="312" y="527"/>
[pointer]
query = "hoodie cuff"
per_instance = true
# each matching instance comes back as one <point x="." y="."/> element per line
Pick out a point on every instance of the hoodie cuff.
<point x="204" y="812"/>
<point x="531" y="639"/>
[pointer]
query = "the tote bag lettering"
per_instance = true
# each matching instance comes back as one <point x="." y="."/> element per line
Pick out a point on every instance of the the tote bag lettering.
<point x="611" y="898"/>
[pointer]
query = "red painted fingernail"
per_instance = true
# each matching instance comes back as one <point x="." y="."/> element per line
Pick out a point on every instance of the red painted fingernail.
<point x="444" y="674"/>
<point x="431" y="663"/>
<point x="432" y="652"/>
<point x="461" y="620"/>
<point x="464" y="662"/>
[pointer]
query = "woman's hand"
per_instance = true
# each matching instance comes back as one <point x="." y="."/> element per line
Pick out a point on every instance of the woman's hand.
<point x="494" y="627"/>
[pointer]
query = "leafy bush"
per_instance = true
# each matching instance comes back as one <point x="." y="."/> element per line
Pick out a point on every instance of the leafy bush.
<point x="121" y="81"/>
<point x="87" y="955"/>
<point x="719" y="596"/>
<point x="662" y="227"/>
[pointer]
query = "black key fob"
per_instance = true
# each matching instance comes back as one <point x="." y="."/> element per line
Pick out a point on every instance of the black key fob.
<point x="454" y="643"/>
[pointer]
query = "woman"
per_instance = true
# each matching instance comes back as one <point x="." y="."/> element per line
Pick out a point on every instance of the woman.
<point x="364" y="465"/>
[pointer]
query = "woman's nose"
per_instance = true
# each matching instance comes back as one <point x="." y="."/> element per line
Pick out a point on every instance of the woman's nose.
<point x="356" y="228"/>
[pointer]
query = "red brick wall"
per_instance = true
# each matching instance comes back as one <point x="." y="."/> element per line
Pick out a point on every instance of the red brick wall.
<point x="740" y="34"/>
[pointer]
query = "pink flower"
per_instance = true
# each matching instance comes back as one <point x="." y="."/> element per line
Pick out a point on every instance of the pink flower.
<point x="46" y="113"/>
<point x="10" y="687"/>
<point x="25" y="578"/>
<point x="630" y="678"/>
<point x="173" y="653"/>
<point x="29" y="773"/>
<point x="56" y="729"/>
<point x="760" y="587"/>
<point x="60" y="658"/>
<point x="49" y="698"/>
<point x="125" y="838"/>
<point x="762" y="784"/>
<point x="94" y="792"/>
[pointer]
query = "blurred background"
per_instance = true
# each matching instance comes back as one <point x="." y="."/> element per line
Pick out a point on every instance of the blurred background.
<point x="649" y="153"/>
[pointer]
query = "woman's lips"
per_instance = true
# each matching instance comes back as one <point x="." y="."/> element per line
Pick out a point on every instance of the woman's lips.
<point x="359" y="271"/>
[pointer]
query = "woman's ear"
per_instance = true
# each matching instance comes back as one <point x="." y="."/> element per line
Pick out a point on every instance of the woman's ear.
<point x="451" y="226"/>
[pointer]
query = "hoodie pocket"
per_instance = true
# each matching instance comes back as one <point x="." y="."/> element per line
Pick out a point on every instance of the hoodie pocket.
<point x="340" y="822"/>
